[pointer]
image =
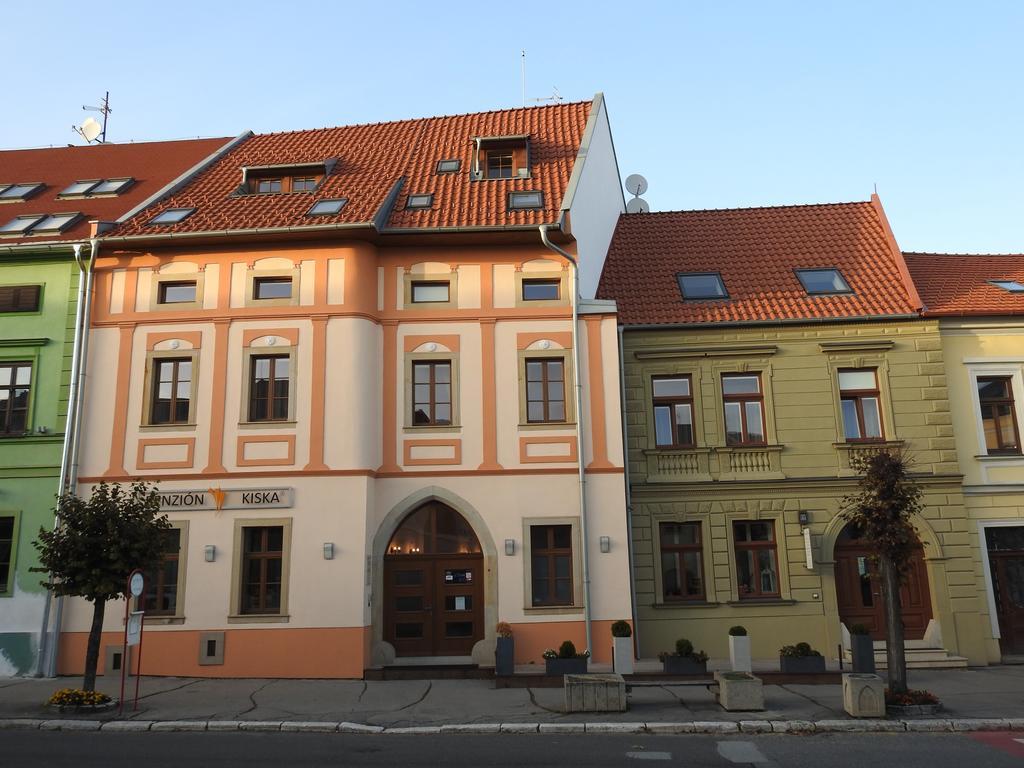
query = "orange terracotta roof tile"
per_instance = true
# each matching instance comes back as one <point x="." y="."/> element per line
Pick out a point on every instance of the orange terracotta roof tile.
<point x="756" y="251"/>
<point x="371" y="160"/>
<point x="152" y="165"/>
<point x="960" y="284"/>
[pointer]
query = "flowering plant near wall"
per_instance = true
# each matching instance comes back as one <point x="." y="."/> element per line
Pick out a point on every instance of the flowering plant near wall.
<point x="73" y="697"/>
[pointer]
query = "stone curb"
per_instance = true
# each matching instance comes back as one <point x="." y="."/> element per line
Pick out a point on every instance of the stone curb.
<point x="946" y="725"/>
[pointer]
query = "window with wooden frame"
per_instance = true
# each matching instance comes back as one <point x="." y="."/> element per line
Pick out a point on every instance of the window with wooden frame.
<point x="262" y="569"/>
<point x="500" y="163"/>
<point x="673" y="411"/>
<point x="176" y="292"/>
<point x="20" y="298"/>
<point x="171" y="401"/>
<point x="860" y="402"/>
<point x="304" y="183"/>
<point x="15" y="388"/>
<point x="432" y="393"/>
<point x="757" y="562"/>
<point x="269" y="382"/>
<point x="551" y="567"/>
<point x="271" y="288"/>
<point x="743" y="403"/>
<point x="503" y="158"/>
<point x="682" y="567"/>
<point x="267" y="186"/>
<point x="998" y="415"/>
<point x="6" y="552"/>
<point x="161" y="595"/>
<point x="545" y="390"/>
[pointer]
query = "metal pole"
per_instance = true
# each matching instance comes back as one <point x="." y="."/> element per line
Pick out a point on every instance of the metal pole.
<point x="124" y="644"/>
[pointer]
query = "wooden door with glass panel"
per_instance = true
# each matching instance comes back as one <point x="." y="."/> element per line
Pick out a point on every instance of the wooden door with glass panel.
<point x="1006" y="560"/>
<point x="433" y="585"/>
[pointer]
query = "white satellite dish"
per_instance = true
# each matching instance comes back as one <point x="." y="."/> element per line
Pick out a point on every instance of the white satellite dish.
<point x="91" y="129"/>
<point x="636" y="184"/>
<point x="638" y="205"/>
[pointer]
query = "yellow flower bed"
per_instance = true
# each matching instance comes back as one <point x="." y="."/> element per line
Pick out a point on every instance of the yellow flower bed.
<point x="73" y="697"/>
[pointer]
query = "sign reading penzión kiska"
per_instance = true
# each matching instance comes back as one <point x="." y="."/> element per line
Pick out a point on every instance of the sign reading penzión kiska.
<point x="225" y="498"/>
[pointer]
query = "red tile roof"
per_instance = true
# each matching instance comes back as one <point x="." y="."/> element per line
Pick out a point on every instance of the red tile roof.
<point x="371" y="160"/>
<point x="153" y="165"/>
<point x="958" y="284"/>
<point x="756" y="250"/>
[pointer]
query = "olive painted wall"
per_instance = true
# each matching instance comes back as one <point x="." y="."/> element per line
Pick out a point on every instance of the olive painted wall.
<point x="805" y="467"/>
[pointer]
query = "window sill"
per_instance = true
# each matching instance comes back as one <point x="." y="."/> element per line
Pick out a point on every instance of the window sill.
<point x="551" y="609"/>
<point x="163" y="620"/>
<point x="258" y="618"/>
<point x="549" y="425"/>
<point x="430" y="428"/>
<point x="997" y="457"/>
<point x="666" y="605"/>
<point x="762" y="601"/>
<point x="267" y="424"/>
<point x="191" y="427"/>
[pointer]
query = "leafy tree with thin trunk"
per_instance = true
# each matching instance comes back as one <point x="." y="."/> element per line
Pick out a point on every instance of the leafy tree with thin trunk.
<point x="97" y="543"/>
<point x="881" y="508"/>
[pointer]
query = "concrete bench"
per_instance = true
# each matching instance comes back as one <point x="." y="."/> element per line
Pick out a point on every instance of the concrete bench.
<point x="595" y="693"/>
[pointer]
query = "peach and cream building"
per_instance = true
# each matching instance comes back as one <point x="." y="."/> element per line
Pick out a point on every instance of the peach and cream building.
<point x="348" y="358"/>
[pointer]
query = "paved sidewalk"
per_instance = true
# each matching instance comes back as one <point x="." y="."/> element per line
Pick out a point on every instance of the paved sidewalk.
<point x="992" y="692"/>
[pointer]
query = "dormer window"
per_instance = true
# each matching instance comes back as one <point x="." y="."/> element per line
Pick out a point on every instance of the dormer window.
<point x="11" y="192"/>
<point x="267" y="186"/>
<point x="823" y="282"/>
<point x="502" y="157"/>
<point x="304" y="183"/>
<point x="277" y="179"/>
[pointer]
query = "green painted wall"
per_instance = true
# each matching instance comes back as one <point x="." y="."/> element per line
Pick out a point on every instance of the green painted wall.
<point x="805" y="467"/>
<point x="29" y="464"/>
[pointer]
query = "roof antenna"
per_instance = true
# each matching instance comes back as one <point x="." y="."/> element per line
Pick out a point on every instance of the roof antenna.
<point x="523" y="53"/>
<point x="91" y="128"/>
<point x="876" y="188"/>
<point x="555" y="96"/>
<point x="637" y="185"/>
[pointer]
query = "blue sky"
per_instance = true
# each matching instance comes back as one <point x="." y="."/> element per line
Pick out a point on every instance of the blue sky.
<point x="718" y="104"/>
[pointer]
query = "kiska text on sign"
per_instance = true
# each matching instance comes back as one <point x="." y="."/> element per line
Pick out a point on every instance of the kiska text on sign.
<point x="226" y="498"/>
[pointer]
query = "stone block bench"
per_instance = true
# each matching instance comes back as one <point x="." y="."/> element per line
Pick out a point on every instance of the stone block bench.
<point x="595" y="693"/>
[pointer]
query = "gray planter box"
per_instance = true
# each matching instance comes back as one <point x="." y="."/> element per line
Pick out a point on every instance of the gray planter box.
<point x="801" y="665"/>
<point x="504" y="656"/>
<point x="684" y="665"/>
<point x="862" y="648"/>
<point x="565" y="666"/>
<point x="594" y="693"/>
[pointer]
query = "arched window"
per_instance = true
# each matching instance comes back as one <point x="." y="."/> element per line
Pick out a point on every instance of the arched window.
<point x="434" y="529"/>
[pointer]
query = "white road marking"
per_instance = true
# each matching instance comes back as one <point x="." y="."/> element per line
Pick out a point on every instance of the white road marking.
<point x="1019" y="741"/>
<point x="649" y="755"/>
<point x="741" y="752"/>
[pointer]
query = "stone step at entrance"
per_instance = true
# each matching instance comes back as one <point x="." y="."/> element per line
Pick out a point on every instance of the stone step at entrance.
<point x="917" y="657"/>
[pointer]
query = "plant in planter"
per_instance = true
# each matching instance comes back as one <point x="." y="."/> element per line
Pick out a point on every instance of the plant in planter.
<point x="862" y="648"/>
<point x="739" y="649"/>
<point x="504" y="650"/>
<point x="622" y="648"/>
<point x="912" y="702"/>
<point x="565" y="661"/>
<point x="684" y="661"/>
<point x="77" y="700"/>
<point x="800" y="659"/>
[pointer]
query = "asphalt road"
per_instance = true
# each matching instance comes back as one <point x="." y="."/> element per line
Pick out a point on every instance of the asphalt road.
<point x="154" y="750"/>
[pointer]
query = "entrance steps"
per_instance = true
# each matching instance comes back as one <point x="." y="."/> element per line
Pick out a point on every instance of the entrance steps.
<point x="919" y="656"/>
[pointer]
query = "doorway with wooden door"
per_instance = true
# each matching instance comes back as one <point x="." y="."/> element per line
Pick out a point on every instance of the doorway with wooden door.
<point x="433" y="585"/>
<point x="1005" y="547"/>
<point x="859" y="588"/>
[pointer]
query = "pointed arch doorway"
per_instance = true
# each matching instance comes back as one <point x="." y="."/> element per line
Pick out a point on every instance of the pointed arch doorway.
<point x="433" y="584"/>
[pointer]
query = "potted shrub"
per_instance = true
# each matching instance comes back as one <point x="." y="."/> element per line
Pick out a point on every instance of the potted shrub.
<point x="504" y="651"/>
<point x="622" y="648"/>
<point x="565" y="661"/>
<point x="862" y="649"/>
<point x="739" y="649"/>
<point x="911" y="703"/>
<point x="800" y="659"/>
<point x="684" y="661"/>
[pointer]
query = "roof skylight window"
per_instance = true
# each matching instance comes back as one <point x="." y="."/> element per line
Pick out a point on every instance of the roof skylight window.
<point x="172" y="216"/>
<point x="420" y="201"/>
<point x="111" y="186"/>
<point x="449" y="166"/>
<point x="525" y="201"/>
<point x="701" y="285"/>
<point x="20" y="191"/>
<point x="79" y="188"/>
<point x="823" y="282"/>
<point x="55" y="222"/>
<point x="327" y="207"/>
<point x="1008" y="285"/>
<point x="19" y="225"/>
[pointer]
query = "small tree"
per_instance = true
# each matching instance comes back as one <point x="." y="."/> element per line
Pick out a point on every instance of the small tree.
<point x="881" y="508"/>
<point x="96" y="545"/>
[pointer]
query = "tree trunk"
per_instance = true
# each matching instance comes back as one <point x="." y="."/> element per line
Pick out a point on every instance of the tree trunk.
<point x="92" y="651"/>
<point x="894" y="626"/>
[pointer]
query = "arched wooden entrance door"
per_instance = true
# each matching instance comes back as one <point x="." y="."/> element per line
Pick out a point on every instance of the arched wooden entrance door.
<point x="433" y="584"/>
<point x="859" y="589"/>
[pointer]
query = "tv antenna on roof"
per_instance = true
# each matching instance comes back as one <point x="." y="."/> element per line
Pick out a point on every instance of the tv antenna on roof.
<point x="637" y="185"/>
<point x="555" y="96"/>
<point x="91" y="129"/>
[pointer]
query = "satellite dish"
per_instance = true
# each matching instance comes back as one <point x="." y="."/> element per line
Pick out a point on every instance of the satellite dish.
<point x="636" y="184"/>
<point x="91" y="129"/>
<point x="638" y="205"/>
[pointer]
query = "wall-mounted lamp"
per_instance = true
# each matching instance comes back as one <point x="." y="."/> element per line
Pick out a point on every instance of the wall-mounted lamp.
<point x="606" y="544"/>
<point x="210" y="551"/>
<point x="804" y="518"/>
<point x="328" y="550"/>
<point x="510" y="547"/>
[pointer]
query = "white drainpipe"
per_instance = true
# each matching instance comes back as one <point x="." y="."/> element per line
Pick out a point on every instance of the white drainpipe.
<point x="574" y="299"/>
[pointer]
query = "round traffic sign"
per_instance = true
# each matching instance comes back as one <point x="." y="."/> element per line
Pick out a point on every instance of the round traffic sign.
<point x="136" y="583"/>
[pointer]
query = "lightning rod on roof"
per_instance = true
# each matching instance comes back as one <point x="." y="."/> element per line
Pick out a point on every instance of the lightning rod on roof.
<point x="637" y="185"/>
<point x="91" y="129"/>
<point x="523" y="52"/>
